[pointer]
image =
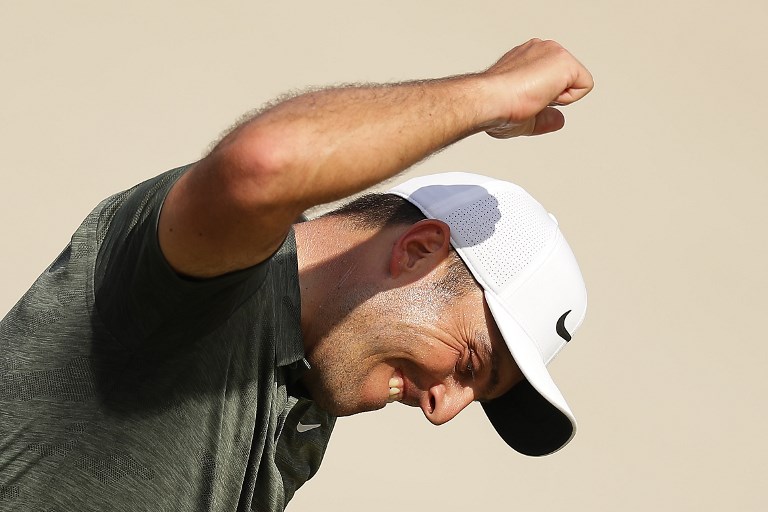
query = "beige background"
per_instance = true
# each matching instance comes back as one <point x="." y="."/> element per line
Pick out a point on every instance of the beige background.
<point x="658" y="181"/>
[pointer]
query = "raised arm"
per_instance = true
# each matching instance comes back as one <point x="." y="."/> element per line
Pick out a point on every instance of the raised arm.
<point x="233" y="209"/>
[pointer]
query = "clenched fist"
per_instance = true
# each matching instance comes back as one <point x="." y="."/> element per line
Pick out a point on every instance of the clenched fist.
<point x="525" y="84"/>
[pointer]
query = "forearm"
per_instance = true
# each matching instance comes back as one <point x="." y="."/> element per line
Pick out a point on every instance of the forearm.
<point x="328" y="144"/>
<point x="234" y="208"/>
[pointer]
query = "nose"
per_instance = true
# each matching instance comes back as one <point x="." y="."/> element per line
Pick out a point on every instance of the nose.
<point x="442" y="402"/>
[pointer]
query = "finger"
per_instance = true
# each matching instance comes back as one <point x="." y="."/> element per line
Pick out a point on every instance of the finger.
<point x="582" y="84"/>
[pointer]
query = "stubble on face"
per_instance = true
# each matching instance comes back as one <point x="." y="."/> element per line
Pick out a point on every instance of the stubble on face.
<point x="366" y="332"/>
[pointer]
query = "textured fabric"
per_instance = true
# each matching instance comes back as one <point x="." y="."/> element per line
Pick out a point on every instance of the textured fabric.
<point x="126" y="387"/>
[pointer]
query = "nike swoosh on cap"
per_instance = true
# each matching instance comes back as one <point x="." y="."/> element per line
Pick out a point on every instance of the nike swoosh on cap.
<point x="303" y="428"/>
<point x="560" y="328"/>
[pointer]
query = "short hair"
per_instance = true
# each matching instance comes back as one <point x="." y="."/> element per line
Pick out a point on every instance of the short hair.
<point x="379" y="211"/>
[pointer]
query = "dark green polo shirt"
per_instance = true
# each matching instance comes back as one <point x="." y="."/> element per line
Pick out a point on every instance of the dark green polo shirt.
<point x="126" y="387"/>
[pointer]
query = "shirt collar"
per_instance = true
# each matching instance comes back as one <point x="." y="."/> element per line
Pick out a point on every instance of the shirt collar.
<point x="289" y="349"/>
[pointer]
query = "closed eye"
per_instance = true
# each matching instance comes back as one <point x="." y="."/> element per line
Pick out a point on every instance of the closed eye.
<point x="466" y="365"/>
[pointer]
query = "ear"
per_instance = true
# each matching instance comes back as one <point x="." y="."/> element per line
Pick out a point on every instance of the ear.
<point x="420" y="249"/>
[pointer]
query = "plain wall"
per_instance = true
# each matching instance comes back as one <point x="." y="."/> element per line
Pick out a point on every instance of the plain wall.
<point x="658" y="181"/>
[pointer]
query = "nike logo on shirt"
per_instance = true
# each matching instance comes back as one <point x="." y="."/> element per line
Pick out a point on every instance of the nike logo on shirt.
<point x="304" y="428"/>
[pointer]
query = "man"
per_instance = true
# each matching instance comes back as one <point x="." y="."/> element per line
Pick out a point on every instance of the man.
<point x="191" y="348"/>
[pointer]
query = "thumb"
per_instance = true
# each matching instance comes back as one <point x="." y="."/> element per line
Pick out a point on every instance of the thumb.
<point x="548" y="120"/>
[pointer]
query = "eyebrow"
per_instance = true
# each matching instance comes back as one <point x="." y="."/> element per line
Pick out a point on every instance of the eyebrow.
<point x="484" y="345"/>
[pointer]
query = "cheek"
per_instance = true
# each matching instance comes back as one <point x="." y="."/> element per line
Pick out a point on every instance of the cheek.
<point x="436" y="361"/>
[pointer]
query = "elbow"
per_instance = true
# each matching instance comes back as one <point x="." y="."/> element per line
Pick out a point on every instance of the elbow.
<point x="253" y="169"/>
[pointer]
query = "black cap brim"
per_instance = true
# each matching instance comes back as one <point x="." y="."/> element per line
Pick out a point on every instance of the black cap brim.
<point x="528" y="422"/>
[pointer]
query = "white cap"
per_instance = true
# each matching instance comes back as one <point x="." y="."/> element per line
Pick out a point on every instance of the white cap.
<point x="532" y="285"/>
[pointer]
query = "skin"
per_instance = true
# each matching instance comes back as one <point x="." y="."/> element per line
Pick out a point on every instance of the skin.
<point x="234" y="208"/>
<point x="387" y="320"/>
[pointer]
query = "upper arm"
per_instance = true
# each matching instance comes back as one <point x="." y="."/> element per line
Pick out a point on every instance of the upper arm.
<point x="142" y="302"/>
<point x="226" y="213"/>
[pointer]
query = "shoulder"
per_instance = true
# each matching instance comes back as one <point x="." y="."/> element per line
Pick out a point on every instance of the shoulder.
<point x="222" y="216"/>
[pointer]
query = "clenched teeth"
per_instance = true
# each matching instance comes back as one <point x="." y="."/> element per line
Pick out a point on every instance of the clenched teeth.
<point x="395" y="389"/>
<point x="394" y="394"/>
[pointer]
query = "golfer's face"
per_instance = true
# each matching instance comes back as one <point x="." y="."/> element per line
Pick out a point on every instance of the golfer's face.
<point x="456" y="360"/>
<point x="409" y="345"/>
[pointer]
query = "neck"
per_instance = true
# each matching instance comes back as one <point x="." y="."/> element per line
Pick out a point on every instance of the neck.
<point x="334" y="263"/>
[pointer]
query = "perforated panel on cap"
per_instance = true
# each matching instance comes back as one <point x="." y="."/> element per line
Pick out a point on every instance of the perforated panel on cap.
<point x="504" y="233"/>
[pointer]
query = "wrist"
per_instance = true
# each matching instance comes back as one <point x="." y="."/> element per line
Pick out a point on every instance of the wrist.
<point x="481" y="92"/>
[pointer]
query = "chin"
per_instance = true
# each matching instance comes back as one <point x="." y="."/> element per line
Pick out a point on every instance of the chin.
<point x="334" y="393"/>
<point x="338" y="406"/>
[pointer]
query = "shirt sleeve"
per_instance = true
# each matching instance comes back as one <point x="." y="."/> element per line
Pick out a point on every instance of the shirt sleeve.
<point x="141" y="300"/>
